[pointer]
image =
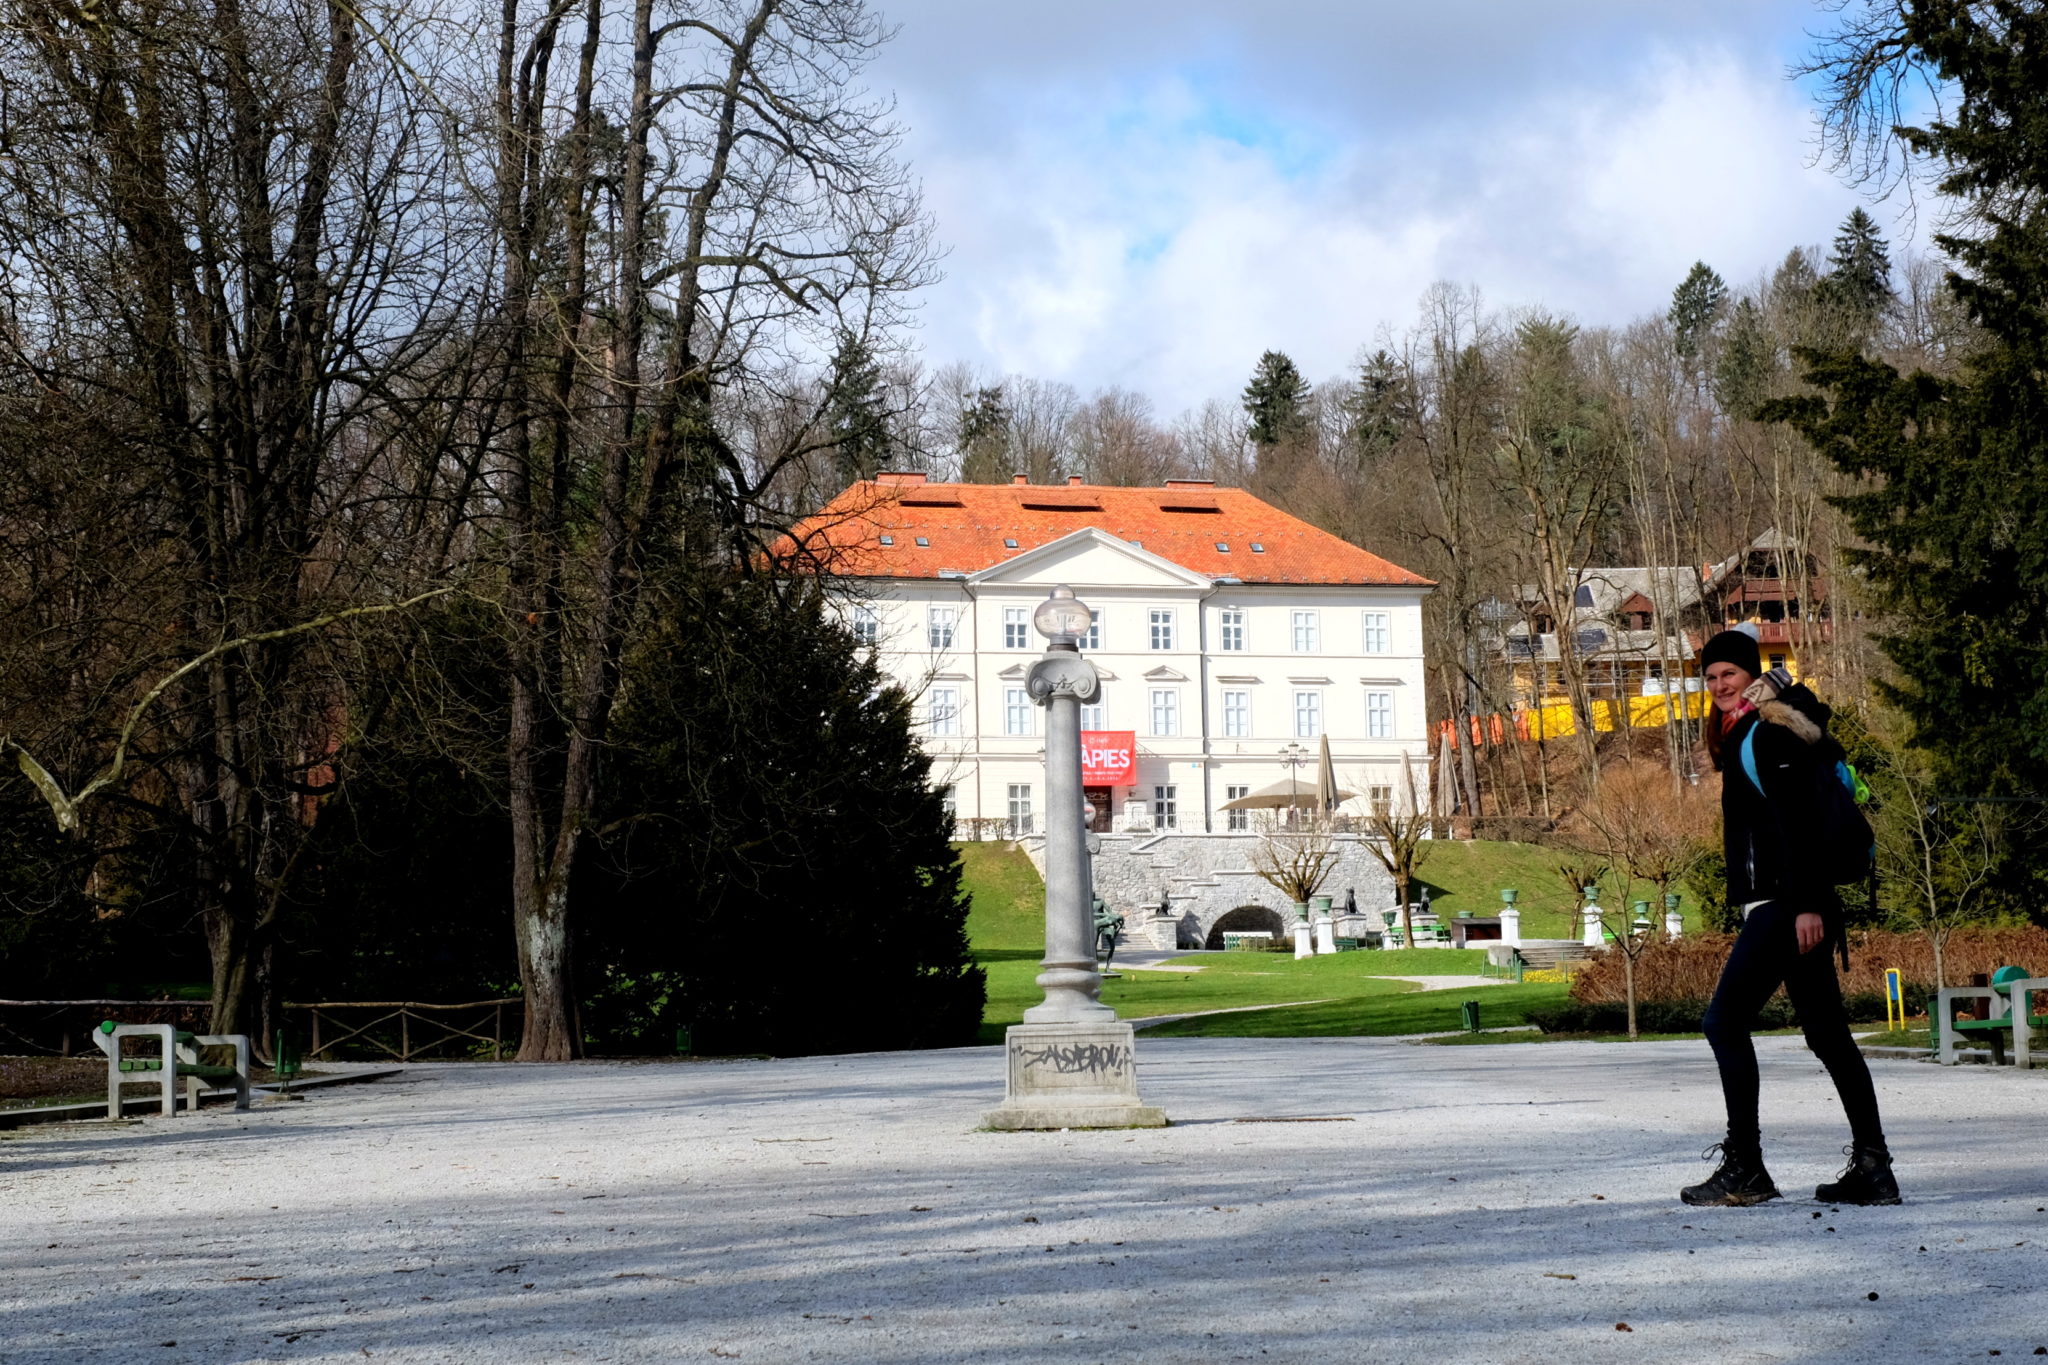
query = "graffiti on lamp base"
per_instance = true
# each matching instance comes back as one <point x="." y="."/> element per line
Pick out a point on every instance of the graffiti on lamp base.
<point x="1073" y="1059"/>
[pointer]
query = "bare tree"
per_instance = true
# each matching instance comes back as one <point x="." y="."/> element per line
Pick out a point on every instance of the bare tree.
<point x="738" y="207"/>
<point x="219" y="221"/>
<point x="1295" y="857"/>
<point x="1397" y="833"/>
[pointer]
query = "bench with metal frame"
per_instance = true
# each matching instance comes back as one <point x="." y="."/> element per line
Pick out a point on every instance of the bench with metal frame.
<point x="2011" y="1013"/>
<point x="178" y="1060"/>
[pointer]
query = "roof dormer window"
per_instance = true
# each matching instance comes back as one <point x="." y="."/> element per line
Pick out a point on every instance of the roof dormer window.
<point x="925" y="541"/>
<point x="1257" y="548"/>
<point x="1222" y="547"/>
<point x="888" y="540"/>
<point x="1009" y="543"/>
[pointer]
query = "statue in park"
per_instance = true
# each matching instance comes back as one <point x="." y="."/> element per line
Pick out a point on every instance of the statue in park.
<point x="1109" y="927"/>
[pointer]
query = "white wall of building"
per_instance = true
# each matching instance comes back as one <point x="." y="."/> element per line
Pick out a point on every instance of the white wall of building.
<point x="1310" y="663"/>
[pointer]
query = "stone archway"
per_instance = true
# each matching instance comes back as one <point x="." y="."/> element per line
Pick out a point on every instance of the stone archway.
<point x="1246" y="919"/>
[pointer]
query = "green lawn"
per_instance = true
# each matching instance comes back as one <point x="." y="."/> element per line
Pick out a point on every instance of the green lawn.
<point x="1469" y="876"/>
<point x="1374" y="1015"/>
<point x="1006" y="926"/>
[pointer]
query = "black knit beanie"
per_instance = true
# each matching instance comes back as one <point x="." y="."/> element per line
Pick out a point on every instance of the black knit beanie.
<point x="1736" y="647"/>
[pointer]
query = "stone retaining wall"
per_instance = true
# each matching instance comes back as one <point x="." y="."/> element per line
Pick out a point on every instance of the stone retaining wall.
<point x="1206" y="876"/>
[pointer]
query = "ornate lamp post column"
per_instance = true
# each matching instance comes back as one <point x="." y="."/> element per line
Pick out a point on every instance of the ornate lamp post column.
<point x="1072" y="1062"/>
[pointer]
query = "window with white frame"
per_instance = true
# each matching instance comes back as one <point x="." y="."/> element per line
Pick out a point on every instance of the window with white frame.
<point x="1232" y="640"/>
<point x="1238" y="820"/>
<point x="1020" y="808"/>
<point x="1166" y="807"/>
<point x="867" y="627"/>
<point x="1308" y="715"/>
<point x="1379" y="629"/>
<point x="949" y="801"/>
<point x="1305" y="633"/>
<point x="1016" y="628"/>
<point x="1016" y="711"/>
<point x="1161" y="619"/>
<point x="939" y="626"/>
<point x="1093" y="639"/>
<point x="1379" y="715"/>
<point x="942" y="710"/>
<point x="1094" y="716"/>
<point x="1381" y="799"/>
<point x="1237" y="715"/>
<point x="1165" y="711"/>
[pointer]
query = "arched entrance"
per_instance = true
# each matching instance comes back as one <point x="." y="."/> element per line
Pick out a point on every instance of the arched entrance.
<point x="1246" y="919"/>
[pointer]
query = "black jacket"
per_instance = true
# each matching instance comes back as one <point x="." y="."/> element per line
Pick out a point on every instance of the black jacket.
<point x="1771" y="832"/>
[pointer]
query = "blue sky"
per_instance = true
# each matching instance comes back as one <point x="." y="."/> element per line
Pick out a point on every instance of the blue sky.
<point x="1148" y="193"/>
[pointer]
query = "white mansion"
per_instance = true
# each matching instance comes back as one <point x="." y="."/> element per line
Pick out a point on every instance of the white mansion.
<point x="1230" y="638"/>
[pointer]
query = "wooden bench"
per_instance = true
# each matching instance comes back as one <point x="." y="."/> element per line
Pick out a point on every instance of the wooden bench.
<point x="177" y="1060"/>
<point x="2011" y="1014"/>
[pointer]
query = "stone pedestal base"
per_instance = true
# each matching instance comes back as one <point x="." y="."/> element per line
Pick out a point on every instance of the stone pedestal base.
<point x="1304" y="939"/>
<point x="1082" y="1075"/>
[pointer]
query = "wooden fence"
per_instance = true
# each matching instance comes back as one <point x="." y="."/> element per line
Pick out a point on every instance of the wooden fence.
<point x="401" y="1029"/>
<point x="406" y="1029"/>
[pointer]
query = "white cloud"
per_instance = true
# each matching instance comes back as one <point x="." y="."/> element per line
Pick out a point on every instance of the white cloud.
<point x="1157" y="226"/>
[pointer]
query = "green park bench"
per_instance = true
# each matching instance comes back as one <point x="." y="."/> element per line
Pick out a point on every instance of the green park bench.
<point x="177" y="1060"/>
<point x="2011" y="1014"/>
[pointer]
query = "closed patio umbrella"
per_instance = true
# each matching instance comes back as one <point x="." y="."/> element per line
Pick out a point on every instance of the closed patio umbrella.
<point x="1326" y="779"/>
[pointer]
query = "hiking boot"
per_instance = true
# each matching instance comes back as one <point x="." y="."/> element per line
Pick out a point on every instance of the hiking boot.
<point x="1868" y="1180"/>
<point x="1741" y="1179"/>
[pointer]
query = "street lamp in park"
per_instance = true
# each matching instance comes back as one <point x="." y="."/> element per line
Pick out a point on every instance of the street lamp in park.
<point x="1072" y="1062"/>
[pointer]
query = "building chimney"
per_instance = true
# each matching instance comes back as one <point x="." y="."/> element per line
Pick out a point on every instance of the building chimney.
<point x="903" y="479"/>
<point x="1020" y="478"/>
<point x="1073" y="480"/>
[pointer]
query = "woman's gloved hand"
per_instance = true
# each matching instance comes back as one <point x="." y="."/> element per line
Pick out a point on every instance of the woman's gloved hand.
<point x="1769" y="687"/>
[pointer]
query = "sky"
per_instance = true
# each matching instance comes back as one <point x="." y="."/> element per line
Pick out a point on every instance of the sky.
<point x="1147" y="194"/>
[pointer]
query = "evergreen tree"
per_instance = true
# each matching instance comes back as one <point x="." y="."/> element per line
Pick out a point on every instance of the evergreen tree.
<point x="1748" y="359"/>
<point x="1954" y="503"/>
<point x="1381" y="407"/>
<point x="1695" y="307"/>
<point x="855" y="406"/>
<point x="778" y="876"/>
<point x="1276" y="400"/>
<point x="983" y="438"/>
<point x="1859" y="279"/>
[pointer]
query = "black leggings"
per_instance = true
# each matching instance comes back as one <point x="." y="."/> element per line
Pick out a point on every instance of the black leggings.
<point x="1767" y="953"/>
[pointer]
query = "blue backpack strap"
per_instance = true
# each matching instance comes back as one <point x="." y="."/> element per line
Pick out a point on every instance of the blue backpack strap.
<point x="1747" y="750"/>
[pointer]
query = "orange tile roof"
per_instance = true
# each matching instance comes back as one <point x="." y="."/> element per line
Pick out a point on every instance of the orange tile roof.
<point x="966" y="526"/>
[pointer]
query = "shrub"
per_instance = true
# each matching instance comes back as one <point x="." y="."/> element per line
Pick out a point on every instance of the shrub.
<point x="1682" y="972"/>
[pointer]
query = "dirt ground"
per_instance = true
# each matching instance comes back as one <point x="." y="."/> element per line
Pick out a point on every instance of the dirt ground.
<point x="50" y="1080"/>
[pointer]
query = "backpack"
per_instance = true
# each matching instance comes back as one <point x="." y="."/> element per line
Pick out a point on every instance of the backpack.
<point x="1848" y="848"/>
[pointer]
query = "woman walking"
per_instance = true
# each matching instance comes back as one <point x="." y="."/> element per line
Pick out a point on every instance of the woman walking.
<point x="1768" y="737"/>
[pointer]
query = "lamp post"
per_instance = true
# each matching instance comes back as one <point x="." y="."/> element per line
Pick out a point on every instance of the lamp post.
<point x="1072" y="1062"/>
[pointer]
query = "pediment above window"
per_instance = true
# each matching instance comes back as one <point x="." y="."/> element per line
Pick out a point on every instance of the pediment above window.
<point x="1165" y="674"/>
<point x="1236" y="678"/>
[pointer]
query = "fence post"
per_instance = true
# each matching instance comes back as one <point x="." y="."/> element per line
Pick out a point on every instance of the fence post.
<point x="316" y="1031"/>
<point x="404" y="1034"/>
<point x="497" y="1033"/>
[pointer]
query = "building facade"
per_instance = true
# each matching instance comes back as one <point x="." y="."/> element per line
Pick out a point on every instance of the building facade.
<point x="1230" y="638"/>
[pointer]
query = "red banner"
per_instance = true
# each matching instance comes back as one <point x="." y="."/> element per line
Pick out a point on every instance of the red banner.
<point x="1109" y="758"/>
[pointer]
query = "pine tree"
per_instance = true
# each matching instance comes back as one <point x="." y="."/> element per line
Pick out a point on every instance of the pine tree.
<point x="1275" y="400"/>
<point x="1695" y="307"/>
<point x="1954" y="503"/>
<point x="1749" y="357"/>
<point x="1381" y="407"/>
<point x="983" y="438"/>
<point x="1859" y="274"/>
<point x="855" y="406"/>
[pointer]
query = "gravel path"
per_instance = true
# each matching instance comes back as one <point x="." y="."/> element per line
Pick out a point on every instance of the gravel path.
<point x="1496" y="1204"/>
